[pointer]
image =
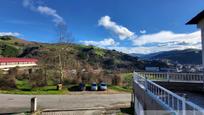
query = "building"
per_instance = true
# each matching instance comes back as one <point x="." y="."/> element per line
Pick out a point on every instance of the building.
<point x="152" y="69"/>
<point x="6" y="63"/>
<point x="199" y="21"/>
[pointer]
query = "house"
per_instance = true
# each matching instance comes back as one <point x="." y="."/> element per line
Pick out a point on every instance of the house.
<point x="7" y="63"/>
<point x="152" y="69"/>
<point x="199" y="21"/>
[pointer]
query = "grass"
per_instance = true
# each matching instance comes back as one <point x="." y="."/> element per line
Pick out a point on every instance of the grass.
<point x="100" y="52"/>
<point x="23" y="84"/>
<point x="126" y="111"/>
<point x="36" y="92"/>
<point x="23" y="87"/>
<point x="127" y="81"/>
<point x="120" y="88"/>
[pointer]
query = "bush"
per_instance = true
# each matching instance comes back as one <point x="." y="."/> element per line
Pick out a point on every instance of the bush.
<point x="37" y="79"/>
<point x="9" y="51"/>
<point x="13" y="71"/>
<point x="6" y="37"/>
<point x="7" y="82"/>
<point x="116" y="80"/>
<point x="22" y="76"/>
<point x="127" y="79"/>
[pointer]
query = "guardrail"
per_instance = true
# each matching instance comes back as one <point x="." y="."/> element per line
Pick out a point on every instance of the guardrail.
<point x="173" y="101"/>
<point x="166" y="76"/>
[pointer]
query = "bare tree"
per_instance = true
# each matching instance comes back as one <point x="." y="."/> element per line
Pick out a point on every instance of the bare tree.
<point x="65" y="38"/>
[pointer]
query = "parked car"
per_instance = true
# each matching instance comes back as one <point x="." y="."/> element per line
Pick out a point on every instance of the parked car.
<point x="82" y="87"/>
<point x="102" y="86"/>
<point x="94" y="87"/>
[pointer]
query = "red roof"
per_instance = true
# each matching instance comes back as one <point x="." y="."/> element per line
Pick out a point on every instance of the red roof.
<point x="18" y="60"/>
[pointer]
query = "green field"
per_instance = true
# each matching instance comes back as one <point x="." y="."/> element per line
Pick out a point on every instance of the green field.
<point x="23" y="87"/>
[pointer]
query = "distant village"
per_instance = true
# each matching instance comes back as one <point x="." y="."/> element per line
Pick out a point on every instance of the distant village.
<point x="176" y="67"/>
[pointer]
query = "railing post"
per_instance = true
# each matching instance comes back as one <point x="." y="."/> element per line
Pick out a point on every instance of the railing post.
<point x="135" y="77"/>
<point x="202" y="76"/>
<point x="146" y="88"/>
<point x="33" y="104"/>
<point x="168" y="76"/>
<point x="184" y="104"/>
<point x="133" y="93"/>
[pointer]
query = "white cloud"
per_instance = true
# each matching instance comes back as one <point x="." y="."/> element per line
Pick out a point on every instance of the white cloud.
<point x="122" y="32"/>
<point x="152" y="49"/>
<point x="9" y="34"/>
<point x="34" y="5"/>
<point x="143" y="31"/>
<point x="162" y="41"/>
<point x="102" y="43"/>
<point x="50" y="12"/>
<point x="165" y="37"/>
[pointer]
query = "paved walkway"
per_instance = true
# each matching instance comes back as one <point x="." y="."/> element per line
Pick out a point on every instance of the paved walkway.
<point x="19" y="103"/>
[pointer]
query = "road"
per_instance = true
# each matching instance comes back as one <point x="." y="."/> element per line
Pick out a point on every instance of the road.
<point x="19" y="103"/>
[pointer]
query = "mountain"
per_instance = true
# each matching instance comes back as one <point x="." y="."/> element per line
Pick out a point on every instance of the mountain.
<point x="73" y="55"/>
<point x="145" y="56"/>
<point x="187" y="56"/>
<point x="137" y="55"/>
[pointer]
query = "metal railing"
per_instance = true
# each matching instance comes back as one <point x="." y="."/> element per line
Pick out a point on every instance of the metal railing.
<point x="173" y="101"/>
<point x="166" y="76"/>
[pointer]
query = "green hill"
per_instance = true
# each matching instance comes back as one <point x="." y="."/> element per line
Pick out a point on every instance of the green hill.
<point x="72" y="55"/>
<point x="80" y="63"/>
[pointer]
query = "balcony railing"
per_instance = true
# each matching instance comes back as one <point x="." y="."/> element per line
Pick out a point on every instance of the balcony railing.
<point x="176" y="77"/>
<point x="174" y="102"/>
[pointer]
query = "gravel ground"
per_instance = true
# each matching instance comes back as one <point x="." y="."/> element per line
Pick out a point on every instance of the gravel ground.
<point x="19" y="103"/>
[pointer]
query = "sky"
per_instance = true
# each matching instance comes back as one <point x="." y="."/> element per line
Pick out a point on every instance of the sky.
<point x="129" y="26"/>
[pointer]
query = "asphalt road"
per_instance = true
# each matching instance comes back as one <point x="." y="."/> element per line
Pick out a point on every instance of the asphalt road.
<point x="20" y="103"/>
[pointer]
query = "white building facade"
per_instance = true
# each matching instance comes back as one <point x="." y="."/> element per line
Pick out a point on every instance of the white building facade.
<point x="7" y="63"/>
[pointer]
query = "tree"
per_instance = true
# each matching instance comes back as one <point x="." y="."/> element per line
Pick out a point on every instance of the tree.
<point x="116" y="80"/>
<point x="64" y="38"/>
<point x="8" y="81"/>
<point x="37" y="79"/>
<point x="9" y="51"/>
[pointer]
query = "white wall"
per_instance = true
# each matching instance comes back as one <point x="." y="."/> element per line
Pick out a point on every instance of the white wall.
<point x="201" y="26"/>
<point x="17" y="65"/>
<point x="138" y="110"/>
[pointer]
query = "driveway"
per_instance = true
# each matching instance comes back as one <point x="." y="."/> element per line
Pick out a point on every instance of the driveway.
<point x="20" y="103"/>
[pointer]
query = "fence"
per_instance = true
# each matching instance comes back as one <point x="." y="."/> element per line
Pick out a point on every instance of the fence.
<point x="175" y="102"/>
<point x="185" y="77"/>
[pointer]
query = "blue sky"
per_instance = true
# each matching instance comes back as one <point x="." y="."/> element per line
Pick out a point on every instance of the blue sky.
<point x="130" y="26"/>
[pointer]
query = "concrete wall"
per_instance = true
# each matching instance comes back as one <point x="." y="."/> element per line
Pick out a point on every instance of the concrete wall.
<point x="150" y="105"/>
<point x="182" y="86"/>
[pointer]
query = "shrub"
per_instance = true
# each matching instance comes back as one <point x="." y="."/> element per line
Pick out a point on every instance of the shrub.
<point x="116" y="80"/>
<point x="127" y="80"/>
<point x="6" y="37"/>
<point x="13" y="71"/>
<point x="37" y="79"/>
<point x="7" y="82"/>
<point x="10" y="51"/>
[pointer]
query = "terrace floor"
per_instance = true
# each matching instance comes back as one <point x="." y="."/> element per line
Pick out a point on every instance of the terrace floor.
<point x="195" y="97"/>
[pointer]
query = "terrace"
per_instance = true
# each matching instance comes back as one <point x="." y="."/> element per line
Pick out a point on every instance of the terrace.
<point x="178" y="93"/>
